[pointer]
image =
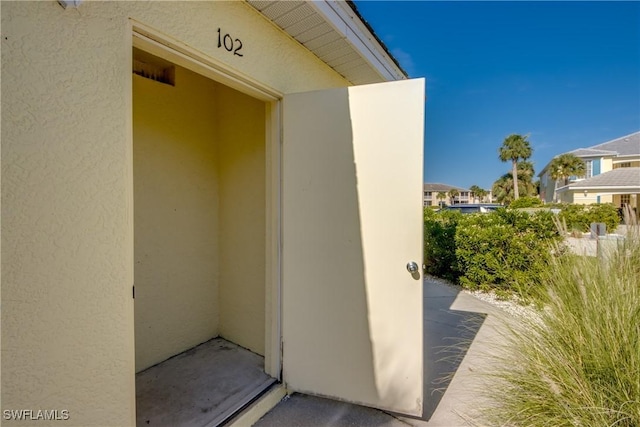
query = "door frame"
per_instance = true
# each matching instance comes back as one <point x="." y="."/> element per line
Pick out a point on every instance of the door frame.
<point x="178" y="53"/>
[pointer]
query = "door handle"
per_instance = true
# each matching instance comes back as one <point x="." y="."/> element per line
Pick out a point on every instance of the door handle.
<point x="412" y="267"/>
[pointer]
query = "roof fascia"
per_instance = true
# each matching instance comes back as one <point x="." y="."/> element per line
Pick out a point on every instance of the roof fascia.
<point x="345" y="21"/>
<point x="634" y="188"/>
<point x="627" y="155"/>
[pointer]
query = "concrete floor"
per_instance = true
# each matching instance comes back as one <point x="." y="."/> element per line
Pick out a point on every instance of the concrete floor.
<point x="200" y="387"/>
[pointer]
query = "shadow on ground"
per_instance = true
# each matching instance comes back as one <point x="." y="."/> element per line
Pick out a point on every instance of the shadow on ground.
<point x="448" y="334"/>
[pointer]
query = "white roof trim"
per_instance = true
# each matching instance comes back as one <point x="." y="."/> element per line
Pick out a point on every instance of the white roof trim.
<point x="344" y="20"/>
<point x="635" y="188"/>
<point x="337" y="35"/>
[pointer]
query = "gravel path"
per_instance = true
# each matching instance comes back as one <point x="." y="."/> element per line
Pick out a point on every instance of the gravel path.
<point x="510" y="306"/>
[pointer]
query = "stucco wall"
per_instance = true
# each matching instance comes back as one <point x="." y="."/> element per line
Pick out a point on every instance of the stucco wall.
<point x="176" y="215"/>
<point x="199" y="175"/>
<point x="241" y="133"/>
<point x="606" y="164"/>
<point x="67" y="225"/>
<point x="67" y="194"/>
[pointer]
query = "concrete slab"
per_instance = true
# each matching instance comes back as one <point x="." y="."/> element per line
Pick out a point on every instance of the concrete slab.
<point x="202" y="386"/>
<point x="300" y="410"/>
<point x="460" y="336"/>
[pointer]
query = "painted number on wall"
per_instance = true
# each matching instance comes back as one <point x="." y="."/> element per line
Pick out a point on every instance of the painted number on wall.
<point x="229" y="43"/>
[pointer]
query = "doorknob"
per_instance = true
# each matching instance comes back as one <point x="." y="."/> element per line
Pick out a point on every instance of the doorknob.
<point x="412" y="267"/>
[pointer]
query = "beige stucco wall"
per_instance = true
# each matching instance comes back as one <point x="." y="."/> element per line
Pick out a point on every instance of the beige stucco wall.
<point x="67" y="194"/>
<point x="176" y="215"/>
<point x="241" y="122"/>
<point x="579" y="198"/>
<point x="606" y="164"/>
<point x="199" y="197"/>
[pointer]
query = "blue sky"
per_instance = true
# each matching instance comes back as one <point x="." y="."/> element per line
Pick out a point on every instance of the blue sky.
<point x="566" y="73"/>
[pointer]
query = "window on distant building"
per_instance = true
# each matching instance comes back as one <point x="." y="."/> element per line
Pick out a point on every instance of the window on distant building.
<point x="625" y="165"/>
<point x="588" y="168"/>
<point x="625" y="199"/>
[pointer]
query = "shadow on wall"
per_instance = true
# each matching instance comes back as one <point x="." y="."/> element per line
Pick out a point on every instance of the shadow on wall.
<point x="327" y="350"/>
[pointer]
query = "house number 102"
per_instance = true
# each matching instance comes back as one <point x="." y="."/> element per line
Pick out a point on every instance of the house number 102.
<point x="229" y="43"/>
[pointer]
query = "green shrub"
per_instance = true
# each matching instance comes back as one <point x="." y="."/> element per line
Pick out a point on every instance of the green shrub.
<point x="580" y="217"/>
<point x="525" y="202"/>
<point x="578" y="363"/>
<point x="439" y="243"/>
<point x="506" y="251"/>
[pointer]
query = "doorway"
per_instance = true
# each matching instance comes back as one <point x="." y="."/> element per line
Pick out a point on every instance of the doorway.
<point x="200" y="244"/>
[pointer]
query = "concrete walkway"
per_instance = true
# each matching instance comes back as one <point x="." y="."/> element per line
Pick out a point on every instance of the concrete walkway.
<point x="460" y="334"/>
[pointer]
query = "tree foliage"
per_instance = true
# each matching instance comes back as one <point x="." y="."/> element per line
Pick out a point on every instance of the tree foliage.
<point x="515" y="148"/>
<point x="453" y="193"/>
<point x="564" y="166"/>
<point x="504" y="190"/>
<point x="474" y="189"/>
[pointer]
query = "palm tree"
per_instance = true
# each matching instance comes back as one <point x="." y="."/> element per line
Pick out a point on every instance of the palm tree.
<point x="453" y="193"/>
<point x="475" y="192"/>
<point x="441" y="196"/>
<point x="482" y="193"/>
<point x="504" y="188"/>
<point x="515" y="147"/>
<point x="564" y="166"/>
<point x="525" y="178"/>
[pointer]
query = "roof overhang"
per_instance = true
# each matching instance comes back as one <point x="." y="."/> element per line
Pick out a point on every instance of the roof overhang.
<point x="603" y="189"/>
<point x="335" y="33"/>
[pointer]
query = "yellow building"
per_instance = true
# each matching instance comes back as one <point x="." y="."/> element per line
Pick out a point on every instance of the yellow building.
<point x="612" y="175"/>
<point x="175" y="172"/>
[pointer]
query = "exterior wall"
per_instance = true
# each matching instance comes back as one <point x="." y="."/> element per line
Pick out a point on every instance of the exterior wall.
<point x="565" y="197"/>
<point x="579" y="198"/>
<point x="67" y="211"/>
<point x="547" y="186"/>
<point x="632" y="163"/>
<point x="606" y="164"/>
<point x="606" y="198"/>
<point x="176" y="195"/>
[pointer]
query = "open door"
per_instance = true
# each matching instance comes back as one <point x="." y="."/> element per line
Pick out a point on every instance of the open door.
<point x="352" y="221"/>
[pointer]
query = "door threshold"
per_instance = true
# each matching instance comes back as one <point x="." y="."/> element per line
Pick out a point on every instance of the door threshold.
<point x="257" y="407"/>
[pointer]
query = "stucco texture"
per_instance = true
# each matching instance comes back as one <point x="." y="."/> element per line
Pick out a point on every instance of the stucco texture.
<point x="199" y="197"/>
<point x="67" y="187"/>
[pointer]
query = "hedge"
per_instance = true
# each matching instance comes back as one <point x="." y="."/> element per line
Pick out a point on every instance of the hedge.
<point x="506" y="250"/>
<point x="580" y="217"/>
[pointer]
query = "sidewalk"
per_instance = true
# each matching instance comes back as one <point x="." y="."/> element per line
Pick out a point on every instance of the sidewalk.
<point x="459" y="332"/>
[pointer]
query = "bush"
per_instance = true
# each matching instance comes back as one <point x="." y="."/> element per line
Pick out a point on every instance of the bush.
<point x="525" y="202"/>
<point x="439" y="243"/>
<point x="580" y="217"/>
<point x="578" y="363"/>
<point x="506" y="251"/>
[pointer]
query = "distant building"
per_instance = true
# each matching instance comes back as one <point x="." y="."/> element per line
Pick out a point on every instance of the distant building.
<point x="612" y="175"/>
<point x="431" y="191"/>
